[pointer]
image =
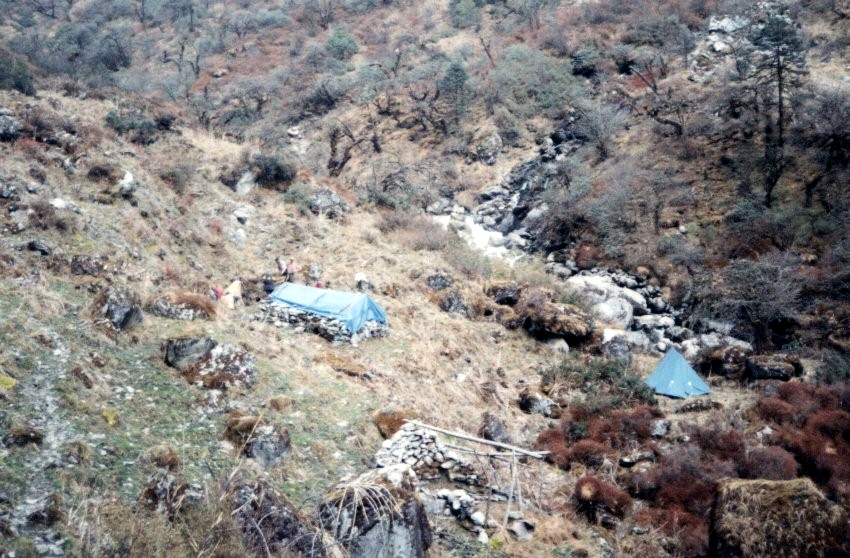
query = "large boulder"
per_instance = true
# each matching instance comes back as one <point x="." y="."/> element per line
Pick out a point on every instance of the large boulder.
<point x="597" y="289"/>
<point x="270" y="525"/>
<point x="327" y="202"/>
<point x="546" y="319"/>
<point x="486" y="146"/>
<point x="773" y="367"/>
<point x="378" y="515"/>
<point x="180" y="352"/>
<point x="120" y="309"/>
<point x="222" y="367"/>
<point x="776" y="518"/>
<point x="10" y="128"/>
<point x="615" y="311"/>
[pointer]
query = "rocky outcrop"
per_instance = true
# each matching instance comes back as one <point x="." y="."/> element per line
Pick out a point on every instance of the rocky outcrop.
<point x="181" y="352"/>
<point x="224" y="366"/>
<point x="773" y="367"/>
<point x="378" y="515"/>
<point x="546" y="319"/>
<point x="10" y="128"/>
<point x="486" y="146"/>
<point x="270" y="524"/>
<point x="328" y="203"/>
<point x="776" y="518"/>
<point x="257" y="438"/>
<point x="119" y="309"/>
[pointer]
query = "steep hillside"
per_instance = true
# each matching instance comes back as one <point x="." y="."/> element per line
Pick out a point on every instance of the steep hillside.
<point x="546" y="198"/>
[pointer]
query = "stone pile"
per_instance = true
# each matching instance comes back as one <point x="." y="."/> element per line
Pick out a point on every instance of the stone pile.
<point x="283" y="316"/>
<point x="420" y="449"/>
<point x="224" y="366"/>
<point x="166" y="309"/>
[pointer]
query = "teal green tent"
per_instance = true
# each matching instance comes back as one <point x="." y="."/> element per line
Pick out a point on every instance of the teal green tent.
<point x="352" y="309"/>
<point x="674" y="377"/>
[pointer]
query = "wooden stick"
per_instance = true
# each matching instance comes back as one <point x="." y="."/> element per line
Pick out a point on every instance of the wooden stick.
<point x="467" y="437"/>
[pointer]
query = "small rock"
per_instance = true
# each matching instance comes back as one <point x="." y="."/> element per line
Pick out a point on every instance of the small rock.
<point x="522" y="530"/>
<point x="185" y="351"/>
<point x="492" y="428"/>
<point x="660" y="428"/>
<point x="36" y="245"/>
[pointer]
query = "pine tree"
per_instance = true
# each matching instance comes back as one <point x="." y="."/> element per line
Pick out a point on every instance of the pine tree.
<point x="778" y="63"/>
<point x="454" y="89"/>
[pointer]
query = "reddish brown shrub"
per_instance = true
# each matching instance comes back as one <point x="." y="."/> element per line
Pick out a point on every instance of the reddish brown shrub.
<point x="726" y="446"/>
<point x="801" y="396"/>
<point x="588" y="452"/>
<point x="775" y="410"/>
<point x="644" y="484"/>
<point x="552" y="440"/>
<point x="834" y="425"/>
<point x="591" y="494"/>
<point x="621" y="428"/>
<point x="688" y="531"/>
<point x="688" y="477"/>
<point x="771" y="463"/>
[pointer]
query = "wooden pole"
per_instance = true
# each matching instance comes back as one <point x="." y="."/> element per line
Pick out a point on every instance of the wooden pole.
<point x="467" y="437"/>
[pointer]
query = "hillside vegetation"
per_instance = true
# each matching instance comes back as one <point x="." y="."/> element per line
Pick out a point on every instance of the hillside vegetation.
<point x="690" y="156"/>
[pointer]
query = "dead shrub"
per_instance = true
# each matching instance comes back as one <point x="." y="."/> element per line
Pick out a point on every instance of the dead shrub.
<point x="771" y="463"/>
<point x="644" y="483"/>
<point x="394" y="220"/>
<point x="688" y="532"/>
<point x="621" y="428"/>
<point x="688" y="479"/>
<point x="422" y="233"/>
<point x="834" y="425"/>
<point x="726" y="446"/>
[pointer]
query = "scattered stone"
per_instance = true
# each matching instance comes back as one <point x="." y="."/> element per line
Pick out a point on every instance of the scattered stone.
<point x="22" y="433"/>
<point x="181" y="352"/>
<point x="270" y="524"/>
<point x="222" y="367"/>
<point x="293" y="132"/>
<point x="245" y="183"/>
<point x="266" y="443"/>
<point x="244" y="213"/>
<point x="629" y="461"/>
<point x="521" y="530"/>
<point x="538" y="404"/>
<point x="10" y="129"/>
<point x="486" y="146"/>
<point x="378" y="515"/>
<point x="453" y="302"/>
<point x="506" y="293"/>
<point x="776" y="518"/>
<point x="659" y="428"/>
<point x="175" y="311"/>
<point x="327" y="202"/>
<point x="126" y="187"/>
<point x="699" y="405"/>
<point x="439" y="281"/>
<point x="493" y="428"/>
<point x="39" y="246"/>
<point x="559" y="346"/>
<point x="167" y="494"/>
<point x="121" y="309"/>
<point x="86" y="265"/>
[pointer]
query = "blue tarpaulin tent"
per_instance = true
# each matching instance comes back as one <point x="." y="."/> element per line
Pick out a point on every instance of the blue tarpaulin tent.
<point x="675" y="377"/>
<point x="352" y="309"/>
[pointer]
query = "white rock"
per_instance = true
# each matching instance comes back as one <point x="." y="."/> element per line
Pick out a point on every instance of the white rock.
<point x="559" y="346"/>
<point x="478" y="518"/>
<point x="614" y="311"/>
<point x="59" y="203"/>
<point x="246" y="183"/>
